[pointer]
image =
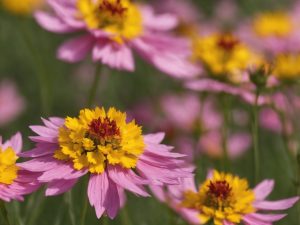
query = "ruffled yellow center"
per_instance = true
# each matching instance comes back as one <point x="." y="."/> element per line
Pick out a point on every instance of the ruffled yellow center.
<point x="225" y="55"/>
<point x="121" y="18"/>
<point x="22" y="7"/>
<point x="96" y="138"/>
<point x="8" y="168"/>
<point x="273" y="24"/>
<point x="223" y="197"/>
<point x="287" y="66"/>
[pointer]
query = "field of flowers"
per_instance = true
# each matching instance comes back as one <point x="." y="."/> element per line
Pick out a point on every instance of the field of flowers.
<point x="168" y="112"/>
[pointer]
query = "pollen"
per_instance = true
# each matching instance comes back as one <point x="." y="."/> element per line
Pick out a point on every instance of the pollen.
<point x="223" y="197"/>
<point x="120" y="18"/>
<point x="276" y="24"/>
<point x="97" y="138"/>
<point x="8" y="168"/>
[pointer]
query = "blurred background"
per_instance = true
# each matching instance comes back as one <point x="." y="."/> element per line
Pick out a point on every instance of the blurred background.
<point x="34" y="84"/>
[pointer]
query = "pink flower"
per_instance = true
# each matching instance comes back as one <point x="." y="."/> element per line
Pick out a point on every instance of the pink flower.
<point x="111" y="30"/>
<point x="189" y="201"/>
<point x="108" y="151"/>
<point x="14" y="181"/>
<point x="11" y="103"/>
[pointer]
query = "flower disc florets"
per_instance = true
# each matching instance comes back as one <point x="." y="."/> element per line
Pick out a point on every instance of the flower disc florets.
<point x="8" y="168"/>
<point x="121" y="18"/>
<point x="97" y="138"/>
<point x="223" y="197"/>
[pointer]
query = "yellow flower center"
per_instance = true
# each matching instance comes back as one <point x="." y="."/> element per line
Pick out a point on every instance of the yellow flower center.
<point x="223" y="197"/>
<point x="273" y="24"/>
<point x="224" y="55"/>
<point x="287" y="66"/>
<point x="97" y="138"/>
<point x="23" y="7"/>
<point x="121" y="18"/>
<point x="8" y="168"/>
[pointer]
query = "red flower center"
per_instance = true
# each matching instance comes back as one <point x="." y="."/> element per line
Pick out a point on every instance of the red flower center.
<point x="114" y="8"/>
<point x="103" y="129"/>
<point x="219" y="189"/>
<point x="228" y="42"/>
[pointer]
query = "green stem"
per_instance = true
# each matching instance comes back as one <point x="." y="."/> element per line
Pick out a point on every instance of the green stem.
<point x="85" y="205"/>
<point x="125" y="217"/>
<point x="94" y="86"/>
<point x="256" y="152"/>
<point x="69" y="201"/>
<point x="105" y="220"/>
<point x="4" y="212"/>
<point x="226" y="115"/>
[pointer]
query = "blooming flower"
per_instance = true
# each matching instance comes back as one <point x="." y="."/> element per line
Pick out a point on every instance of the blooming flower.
<point x="112" y="150"/>
<point x="11" y="103"/>
<point x="14" y="181"/>
<point x="112" y="29"/>
<point x="23" y="7"/>
<point x="226" y="199"/>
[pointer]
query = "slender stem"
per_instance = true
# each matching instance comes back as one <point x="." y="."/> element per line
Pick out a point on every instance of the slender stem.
<point x="105" y="220"/>
<point x="4" y="212"/>
<point x="69" y="201"/>
<point x="226" y="115"/>
<point x="256" y="152"/>
<point x="85" y="205"/>
<point x="125" y="217"/>
<point x="94" y="86"/>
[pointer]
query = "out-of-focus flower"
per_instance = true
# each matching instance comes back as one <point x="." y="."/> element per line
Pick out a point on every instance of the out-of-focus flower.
<point x="273" y="32"/>
<point x="211" y="143"/>
<point x="224" y="56"/>
<point x="226" y="199"/>
<point x="113" y="152"/>
<point x="11" y="103"/>
<point x="22" y="7"/>
<point x="287" y="66"/>
<point x="112" y="29"/>
<point x="14" y="181"/>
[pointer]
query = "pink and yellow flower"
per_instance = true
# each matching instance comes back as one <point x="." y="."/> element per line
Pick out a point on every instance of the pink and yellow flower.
<point x="226" y="199"/>
<point x="112" y="29"/>
<point x="14" y="181"/>
<point x="111" y="150"/>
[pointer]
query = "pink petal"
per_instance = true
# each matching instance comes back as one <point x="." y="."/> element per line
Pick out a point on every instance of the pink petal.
<point x="251" y="221"/>
<point x="97" y="191"/>
<point x="40" y="164"/>
<point x="57" y="187"/>
<point x="52" y="23"/>
<point x="112" y="201"/>
<point x="263" y="189"/>
<point x="125" y="179"/>
<point x="154" y="138"/>
<point x="44" y="131"/>
<point x="115" y="55"/>
<point x="16" y="142"/>
<point x="41" y="149"/>
<point x="267" y="217"/>
<point x="75" y="49"/>
<point x="238" y="144"/>
<point x="276" y="205"/>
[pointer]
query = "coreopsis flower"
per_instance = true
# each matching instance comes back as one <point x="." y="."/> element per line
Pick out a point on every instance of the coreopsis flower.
<point x="11" y="103"/>
<point x="22" y="7"/>
<point x="111" y="150"/>
<point x="14" y="181"/>
<point x="226" y="199"/>
<point x="112" y="29"/>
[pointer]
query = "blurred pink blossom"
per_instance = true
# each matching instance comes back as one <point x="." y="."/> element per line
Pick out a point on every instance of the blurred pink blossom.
<point x="11" y="103"/>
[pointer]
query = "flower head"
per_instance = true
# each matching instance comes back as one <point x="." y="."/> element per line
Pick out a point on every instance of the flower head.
<point x="224" y="198"/>
<point x="112" y="29"/>
<point x="224" y="54"/>
<point x="108" y="147"/>
<point x="14" y="181"/>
